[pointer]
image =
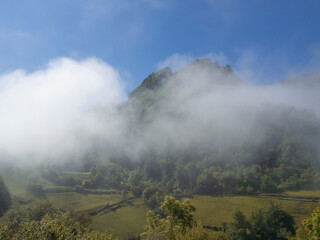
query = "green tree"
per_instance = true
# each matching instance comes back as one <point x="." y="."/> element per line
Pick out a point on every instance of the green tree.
<point x="177" y="220"/>
<point x="55" y="226"/>
<point x="239" y="228"/>
<point x="268" y="185"/>
<point x="272" y="223"/>
<point x="310" y="228"/>
<point x="207" y="184"/>
<point x="178" y="213"/>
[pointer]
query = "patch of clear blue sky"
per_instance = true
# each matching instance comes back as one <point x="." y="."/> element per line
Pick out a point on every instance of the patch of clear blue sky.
<point x="134" y="35"/>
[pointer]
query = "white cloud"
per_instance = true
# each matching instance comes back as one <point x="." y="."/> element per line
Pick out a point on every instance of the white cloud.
<point x="35" y="108"/>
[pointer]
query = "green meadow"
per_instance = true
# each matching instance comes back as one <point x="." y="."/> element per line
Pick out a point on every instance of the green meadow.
<point x="124" y="222"/>
<point x="129" y="219"/>
<point x="215" y="210"/>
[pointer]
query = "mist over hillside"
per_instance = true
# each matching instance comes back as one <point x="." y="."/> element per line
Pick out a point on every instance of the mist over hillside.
<point x="200" y="110"/>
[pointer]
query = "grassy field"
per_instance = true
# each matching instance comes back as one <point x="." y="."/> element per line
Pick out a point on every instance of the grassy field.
<point x="215" y="210"/>
<point x="310" y="194"/>
<point x="80" y="202"/>
<point x="126" y="221"/>
<point x="130" y="219"/>
<point x="17" y="183"/>
<point x="210" y="210"/>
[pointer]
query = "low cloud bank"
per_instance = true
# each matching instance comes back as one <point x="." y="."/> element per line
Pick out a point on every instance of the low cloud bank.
<point x="37" y="108"/>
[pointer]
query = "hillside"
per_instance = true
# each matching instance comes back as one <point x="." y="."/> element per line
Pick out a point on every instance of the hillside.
<point x="201" y="130"/>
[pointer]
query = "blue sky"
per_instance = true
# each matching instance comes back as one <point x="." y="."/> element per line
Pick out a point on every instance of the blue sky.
<point x="263" y="41"/>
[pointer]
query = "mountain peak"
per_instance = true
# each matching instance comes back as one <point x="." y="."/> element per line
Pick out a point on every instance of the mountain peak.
<point x="153" y="81"/>
<point x="156" y="79"/>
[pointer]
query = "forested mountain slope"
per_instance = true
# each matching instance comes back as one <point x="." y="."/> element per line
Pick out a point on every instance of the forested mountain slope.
<point x="202" y="130"/>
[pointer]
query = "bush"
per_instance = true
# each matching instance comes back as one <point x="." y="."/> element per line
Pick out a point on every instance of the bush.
<point x="51" y="226"/>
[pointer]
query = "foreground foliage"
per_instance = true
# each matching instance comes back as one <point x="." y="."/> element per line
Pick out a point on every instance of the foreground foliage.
<point x="310" y="227"/>
<point x="176" y="223"/>
<point x="39" y="220"/>
<point x="51" y="226"/>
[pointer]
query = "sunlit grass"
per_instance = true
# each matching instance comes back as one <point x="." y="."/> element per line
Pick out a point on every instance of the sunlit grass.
<point x="123" y="221"/>
<point x="80" y="202"/>
<point x="306" y="193"/>
<point x="215" y="210"/>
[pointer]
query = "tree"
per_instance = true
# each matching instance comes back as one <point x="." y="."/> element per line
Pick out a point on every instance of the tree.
<point x="57" y="226"/>
<point x="268" y="185"/>
<point x="178" y="218"/>
<point x="178" y="213"/>
<point x="207" y="184"/>
<point x="239" y="228"/>
<point x="310" y="228"/>
<point x="272" y="223"/>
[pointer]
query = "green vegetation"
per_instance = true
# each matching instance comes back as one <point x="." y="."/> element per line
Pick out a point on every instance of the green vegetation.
<point x="303" y="194"/>
<point x="128" y="220"/>
<point x="270" y="223"/>
<point x="310" y="227"/>
<point x="124" y="222"/>
<point x="81" y="202"/>
<point x="213" y="211"/>
<point x="59" y="226"/>
<point x="153" y="82"/>
<point x="177" y="223"/>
